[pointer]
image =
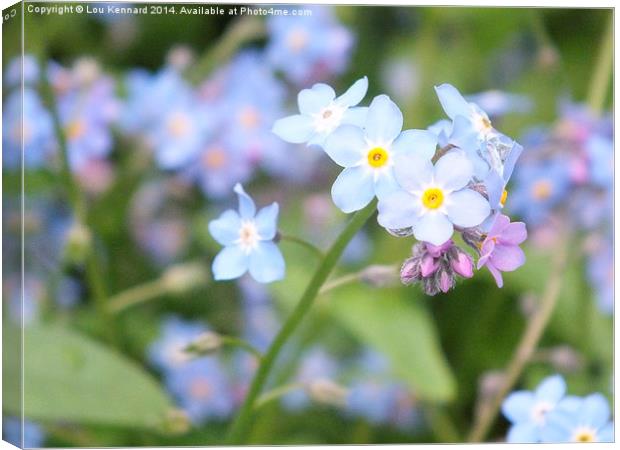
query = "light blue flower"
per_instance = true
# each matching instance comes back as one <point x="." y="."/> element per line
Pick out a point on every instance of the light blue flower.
<point x="369" y="155"/>
<point x="538" y="187"/>
<point x="24" y="68"/>
<point x="202" y="389"/>
<point x="166" y="353"/>
<point x="321" y="113"/>
<point x="600" y="151"/>
<point x="34" y="127"/>
<point x="431" y="199"/>
<point x="588" y="420"/>
<point x="308" y="47"/>
<point x="247" y="237"/>
<point x="527" y="411"/>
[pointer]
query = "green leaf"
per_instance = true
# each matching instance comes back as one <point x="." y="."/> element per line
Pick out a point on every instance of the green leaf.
<point x="396" y="324"/>
<point x="69" y="377"/>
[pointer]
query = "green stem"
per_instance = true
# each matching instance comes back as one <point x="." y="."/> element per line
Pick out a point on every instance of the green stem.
<point x="311" y="247"/>
<point x="135" y="295"/>
<point x="602" y="71"/>
<point x="527" y="345"/>
<point x="77" y="200"/>
<point x="244" y="29"/>
<point x="240" y="427"/>
<point x="243" y="345"/>
<point x="276" y="393"/>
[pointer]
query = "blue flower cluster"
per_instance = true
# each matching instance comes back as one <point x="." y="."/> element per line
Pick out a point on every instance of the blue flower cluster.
<point x="429" y="183"/>
<point x="566" y="178"/>
<point x="549" y="415"/>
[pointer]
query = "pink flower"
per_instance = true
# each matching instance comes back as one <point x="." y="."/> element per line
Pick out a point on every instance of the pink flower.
<point x="500" y="250"/>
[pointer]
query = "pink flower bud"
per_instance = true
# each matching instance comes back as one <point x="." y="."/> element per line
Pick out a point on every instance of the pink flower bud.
<point x="428" y="266"/>
<point x="445" y="281"/>
<point x="463" y="265"/>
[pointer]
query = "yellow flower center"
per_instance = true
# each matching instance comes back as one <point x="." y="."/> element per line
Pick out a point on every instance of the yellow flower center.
<point x="541" y="190"/>
<point x="584" y="434"/>
<point x="215" y="158"/>
<point x="75" y="129"/>
<point x="377" y="157"/>
<point x="249" y="117"/>
<point x="504" y="197"/>
<point x="178" y="125"/>
<point x="432" y="198"/>
<point x="248" y="236"/>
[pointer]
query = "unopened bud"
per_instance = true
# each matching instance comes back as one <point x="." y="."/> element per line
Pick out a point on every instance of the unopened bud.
<point x="180" y="57"/>
<point x="183" y="277"/>
<point x="462" y="264"/>
<point x="86" y="71"/>
<point x="446" y="281"/>
<point x="328" y="392"/>
<point x="176" y="422"/>
<point x="208" y="342"/>
<point x="490" y="383"/>
<point x="410" y="271"/>
<point x="565" y="359"/>
<point x="79" y="242"/>
<point x="428" y="266"/>
<point x="379" y="276"/>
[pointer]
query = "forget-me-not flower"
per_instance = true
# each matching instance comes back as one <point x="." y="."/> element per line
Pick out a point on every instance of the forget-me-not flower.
<point x="369" y="155"/>
<point x="321" y="113"/>
<point x="527" y="411"/>
<point x="247" y="237"/>
<point x="433" y="199"/>
<point x="586" y="421"/>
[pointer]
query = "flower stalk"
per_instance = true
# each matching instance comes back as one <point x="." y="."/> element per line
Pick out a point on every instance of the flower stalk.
<point x="241" y="425"/>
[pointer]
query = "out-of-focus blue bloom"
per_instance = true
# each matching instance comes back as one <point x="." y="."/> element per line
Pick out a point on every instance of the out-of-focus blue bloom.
<point x="376" y="397"/>
<point x="247" y="238"/>
<point x="528" y="411"/>
<point x="179" y="134"/>
<point x="498" y="103"/>
<point x="316" y="365"/>
<point x="23" y="305"/>
<point x="321" y="113"/>
<point x="149" y="96"/>
<point x="21" y="68"/>
<point x="202" y="389"/>
<point x="260" y="322"/>
<point x="39" y="141"/>
<point x="432" y="199"/>
<point x="600" y="270"/>
<point x="308" y="47"/>
<point x="600" y="151"/>
<point x="369" y="155"/>
<point x="33" y="433"/>
<point x="588" y="420"/>
<point x="538" y="187"/>
<point x="166" y="353"/>
<point x="401" y="78"/>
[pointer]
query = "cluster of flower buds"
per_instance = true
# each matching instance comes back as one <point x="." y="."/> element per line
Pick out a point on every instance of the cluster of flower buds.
<point x="436" y="267"/>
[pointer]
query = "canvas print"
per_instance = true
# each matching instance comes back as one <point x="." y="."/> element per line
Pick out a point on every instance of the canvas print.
<point x="300" y="224"/>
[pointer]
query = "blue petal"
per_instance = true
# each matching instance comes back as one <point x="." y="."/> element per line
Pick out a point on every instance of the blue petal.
<point x="225" y="229"/>
<point x="353" y="189"/>
<point x="606" y="433"/>
<point x="518" y="406"/>
<point x="559" y="426"/>
<point x="452" y="101"/>
<point x="551" y="389"/>
<point x="354" y="94"/>
<point x="467" y="208"/>
<point x="355" y="116"/>
<point x="433" y="227"/>
<point x="294" y="129"/>
<point x="412" y="171"/>
<point x="231" y="262"/>
<point x="464" y="135"/>
<point x="385" y="183"/>
<point x="509" y="163"/>
<point x="419" y="142"/>
<point x="495" y="188"/>
<point x="346" y="145"/>
<point x="267" y="221"/>
<point x="384" y="121"/>
<point x="267" y="263"/>
<point x="453" y="171"/>
<point x="247" y="209"/>
<point x="311" y="101"/>
<point x="525" y="432"/>
<point x="595" y="410"/>
<point x="398" y="210"/>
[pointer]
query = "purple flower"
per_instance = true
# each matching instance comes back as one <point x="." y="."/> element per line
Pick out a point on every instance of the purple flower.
<point x="500" y="250"/>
